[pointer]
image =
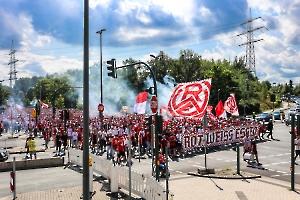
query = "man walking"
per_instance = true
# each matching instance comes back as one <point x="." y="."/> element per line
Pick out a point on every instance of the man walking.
<point x="270" y="129"/>
<point x="47" y="137"/>
<point x="31" y="146"/>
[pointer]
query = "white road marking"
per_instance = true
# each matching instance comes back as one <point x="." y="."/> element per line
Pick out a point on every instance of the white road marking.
<point x="198" y="166"/>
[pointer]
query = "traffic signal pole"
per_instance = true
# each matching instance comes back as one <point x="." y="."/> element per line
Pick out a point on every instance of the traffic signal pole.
<point x="156" y="114"/>
<point x="292" y="168"/>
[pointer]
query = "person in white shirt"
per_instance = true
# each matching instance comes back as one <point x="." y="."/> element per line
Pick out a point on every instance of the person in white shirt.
<point x="69" y="130"/>
<point x="75" y="138"/>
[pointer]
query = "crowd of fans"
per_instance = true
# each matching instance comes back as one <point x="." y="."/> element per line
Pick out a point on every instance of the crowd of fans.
<point x="112" y="136"/>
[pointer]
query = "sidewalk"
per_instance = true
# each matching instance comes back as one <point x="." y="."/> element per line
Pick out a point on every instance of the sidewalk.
<point x="188" y="187"/>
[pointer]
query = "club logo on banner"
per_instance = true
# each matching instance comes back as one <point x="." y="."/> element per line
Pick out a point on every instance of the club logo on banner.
<point x="190" y="99"/>
<point x="231" y="106"/>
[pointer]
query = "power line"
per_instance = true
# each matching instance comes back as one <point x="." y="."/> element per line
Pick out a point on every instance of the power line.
<point x="250" y="54"/>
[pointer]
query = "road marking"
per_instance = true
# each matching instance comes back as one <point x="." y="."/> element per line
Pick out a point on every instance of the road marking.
<point x="198" y="166"/>
<point x="275" y="163"/>
<point x="275" y="175"/>
<point x="285" y="162"/>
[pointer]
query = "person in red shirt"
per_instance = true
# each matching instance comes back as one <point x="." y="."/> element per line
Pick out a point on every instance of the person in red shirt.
<point x="163" y="144"/>
<point x="120" y="149"/>
<point x="114" y="143"/>
<point x="47" y="137"/>
<point x="173" y="141"/>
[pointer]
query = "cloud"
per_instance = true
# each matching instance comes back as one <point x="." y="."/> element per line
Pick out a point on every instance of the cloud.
<point x="49" y="34"/>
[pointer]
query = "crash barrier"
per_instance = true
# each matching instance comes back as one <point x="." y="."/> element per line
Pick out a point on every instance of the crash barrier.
<point x="12" y="180"/>
<point x="142" y="186"/>
<point x="155" y="190"/>
<point x="31" y="164"/>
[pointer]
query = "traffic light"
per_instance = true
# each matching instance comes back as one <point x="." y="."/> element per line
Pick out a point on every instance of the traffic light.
<point x="61" y="114"/>
<point x="291" y="83"/>
<point x="112" y="68"/>
<point x="148" y="123"/>
<point x="273" y="98"/>
<point x="37" y="109"/>
<point x="159" y="124"/>
<point x="150" y="90"/>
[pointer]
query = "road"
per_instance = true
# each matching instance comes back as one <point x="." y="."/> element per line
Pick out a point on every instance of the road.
<point x="275" y="155"/>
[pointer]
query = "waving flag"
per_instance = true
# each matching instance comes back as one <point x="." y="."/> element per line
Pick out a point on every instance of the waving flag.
<point x="140" y="103"/>
<point x="231" y="106"/>
<point x="43" y="104"/>
<point x="190" y="99"/>
<point x="210" y="114"/>
<point x="165" y="113"/>
<point x="220" y="111"/>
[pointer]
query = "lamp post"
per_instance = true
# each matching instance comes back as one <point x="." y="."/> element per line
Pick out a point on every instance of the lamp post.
<point x="101" y="89"/>
<point x="218" y="95"/>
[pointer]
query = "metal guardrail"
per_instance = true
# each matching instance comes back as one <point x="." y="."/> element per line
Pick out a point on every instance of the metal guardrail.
<point x="145" y="187"/>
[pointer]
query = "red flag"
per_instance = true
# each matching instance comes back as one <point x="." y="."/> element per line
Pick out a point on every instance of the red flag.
<point x="190" y="99"/>
<point x="231" y="106"/>
<point x="140" y="103"/>
<point x="43" y="104"/>
<point x="220" y="109"/>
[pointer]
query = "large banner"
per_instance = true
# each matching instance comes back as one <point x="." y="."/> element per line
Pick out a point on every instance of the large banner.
<point x="190" y="99"/>
<point x="229" y="135"/>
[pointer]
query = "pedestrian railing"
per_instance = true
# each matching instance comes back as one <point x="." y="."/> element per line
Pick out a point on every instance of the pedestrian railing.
<point x="145" y="187"/>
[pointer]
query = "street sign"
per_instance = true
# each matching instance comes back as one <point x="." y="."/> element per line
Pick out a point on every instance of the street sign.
<point x="100" y="107"/>
<point x="153" y="104"/>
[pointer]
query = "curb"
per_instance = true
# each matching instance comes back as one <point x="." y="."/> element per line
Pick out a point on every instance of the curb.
<point x="223" y="177"/>
<point x="21" y="152"/>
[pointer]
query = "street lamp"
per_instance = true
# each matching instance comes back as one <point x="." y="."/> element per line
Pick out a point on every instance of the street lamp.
<point x="101" y="89"/>
<point x="156" y="58"/>
<point x="218" y="95"/>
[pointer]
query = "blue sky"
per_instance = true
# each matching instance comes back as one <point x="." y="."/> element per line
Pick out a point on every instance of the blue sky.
<point x="48" y="34"/>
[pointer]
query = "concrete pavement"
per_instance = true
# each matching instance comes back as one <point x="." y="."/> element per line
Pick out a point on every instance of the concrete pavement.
<point x="187" y="187"/>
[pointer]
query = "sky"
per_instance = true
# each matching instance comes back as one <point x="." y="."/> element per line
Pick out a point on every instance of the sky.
<point x="48" y="34"/>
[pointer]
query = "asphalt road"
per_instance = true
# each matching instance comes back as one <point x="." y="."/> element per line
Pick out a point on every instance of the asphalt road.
<point x="40" y="179"/>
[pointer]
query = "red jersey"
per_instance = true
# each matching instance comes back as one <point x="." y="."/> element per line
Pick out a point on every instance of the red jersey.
<point x="120" y="145"/>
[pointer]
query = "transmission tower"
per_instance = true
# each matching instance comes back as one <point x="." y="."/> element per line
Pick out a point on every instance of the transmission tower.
<point x="250" y="54"/>
<point x="12" y="63"/>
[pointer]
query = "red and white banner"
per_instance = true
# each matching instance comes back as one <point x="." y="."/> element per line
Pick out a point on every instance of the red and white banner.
<point x="43" y="104"/>
<point x="190" y="99"/>
<point x="231" y="106"/>
<point x="140" y="103"/>
<point x="228" y="135"/>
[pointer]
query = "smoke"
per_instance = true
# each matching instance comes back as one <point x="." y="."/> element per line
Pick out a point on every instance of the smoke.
<point x="117" y="93"/>
<point x="164" y="91"/>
